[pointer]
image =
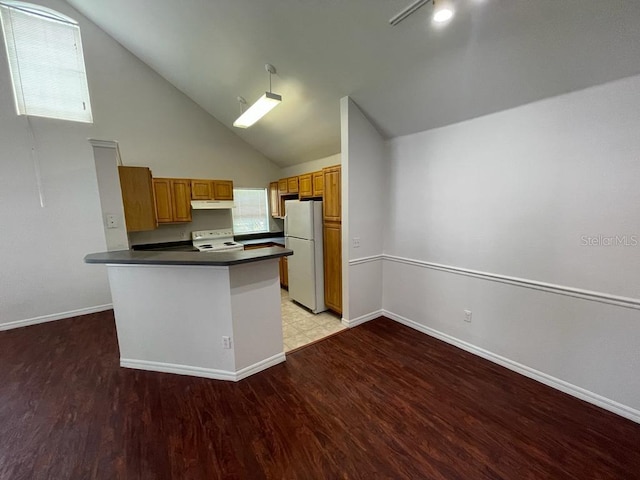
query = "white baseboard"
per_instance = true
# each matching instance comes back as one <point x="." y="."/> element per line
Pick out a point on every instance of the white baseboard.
<point x="362" y="319"/>
<point x="262" y="365"/>
<point x="566" y="387"/>
<point x="200" y="371"/>
<point x="54" y="316"/>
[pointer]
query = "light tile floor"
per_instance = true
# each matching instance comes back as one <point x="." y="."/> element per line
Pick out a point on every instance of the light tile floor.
<point x="300" y="326"/>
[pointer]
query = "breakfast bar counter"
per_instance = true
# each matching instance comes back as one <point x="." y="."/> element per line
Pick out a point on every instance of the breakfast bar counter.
<point x="214" y="315"/>
<point x="191" y="257"/>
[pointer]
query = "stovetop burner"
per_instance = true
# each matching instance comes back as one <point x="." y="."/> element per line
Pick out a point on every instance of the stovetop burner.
<point x="215" y="241"/>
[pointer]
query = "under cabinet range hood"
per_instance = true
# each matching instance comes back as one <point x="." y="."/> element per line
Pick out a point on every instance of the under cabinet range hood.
<point x="211" y="204"/>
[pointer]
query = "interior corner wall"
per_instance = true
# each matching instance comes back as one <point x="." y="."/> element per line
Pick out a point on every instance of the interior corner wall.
<point x="530" y="219"/>
<point x="43" y="276"/>
<point x="363" y="214"/>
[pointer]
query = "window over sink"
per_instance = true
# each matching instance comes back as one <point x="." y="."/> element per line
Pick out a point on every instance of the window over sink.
<point x="250" y="211"/>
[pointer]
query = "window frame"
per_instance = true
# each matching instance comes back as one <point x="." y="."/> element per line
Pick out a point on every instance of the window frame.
<point x="59" y="79"/>
<point x="265" y="206"/>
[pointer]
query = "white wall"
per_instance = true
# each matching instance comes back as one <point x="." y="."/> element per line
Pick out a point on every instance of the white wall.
<point x="513" y="194"/>
<point x="311" y="166"/>
<point x="363" y="214"/>
<point x="105" y="155"/>
<point x="41" y="249"/>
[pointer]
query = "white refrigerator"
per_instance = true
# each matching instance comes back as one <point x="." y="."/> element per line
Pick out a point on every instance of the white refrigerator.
<point x="303" y="235"/>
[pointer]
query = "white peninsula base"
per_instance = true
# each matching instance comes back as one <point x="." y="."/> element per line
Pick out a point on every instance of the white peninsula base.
<point x="176" y="318"/>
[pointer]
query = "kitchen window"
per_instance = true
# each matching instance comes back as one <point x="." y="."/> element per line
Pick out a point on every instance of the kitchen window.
<point x="250" y="211"/>
<point x="46" y="62"/>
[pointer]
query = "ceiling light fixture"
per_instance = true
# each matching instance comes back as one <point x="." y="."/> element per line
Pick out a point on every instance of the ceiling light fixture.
<point x="263" y="105"/>
<point x="411" y="9"/>
<point x="442" y="11"/>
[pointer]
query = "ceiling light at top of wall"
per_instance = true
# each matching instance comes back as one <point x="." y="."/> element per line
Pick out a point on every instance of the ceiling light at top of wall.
<point x="442" y="11"/>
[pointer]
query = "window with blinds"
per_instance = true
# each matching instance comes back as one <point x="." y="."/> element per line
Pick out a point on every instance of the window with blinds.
<point x="250" y="210"/>
<point x="46" y="62"/>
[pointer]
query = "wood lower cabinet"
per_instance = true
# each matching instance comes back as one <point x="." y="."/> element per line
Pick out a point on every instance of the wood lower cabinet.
<point x="284" y="272"/>
<point x="332" y="233"/>
<point x="284" y="263"/>
<point x="173" y="199"/>
<point x="136" y="185"/>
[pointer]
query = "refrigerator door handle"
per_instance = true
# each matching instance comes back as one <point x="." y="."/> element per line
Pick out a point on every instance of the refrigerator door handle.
<point x="286" y="226"/>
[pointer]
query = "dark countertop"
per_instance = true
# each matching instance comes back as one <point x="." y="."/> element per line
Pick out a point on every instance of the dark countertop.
<point x="181" y="246"/>
<point x="164" y="257"/>
<point x="257" y="241"/>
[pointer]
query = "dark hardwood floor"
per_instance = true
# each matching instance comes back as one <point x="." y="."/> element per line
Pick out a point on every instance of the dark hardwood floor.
<point x="377" y="401"/>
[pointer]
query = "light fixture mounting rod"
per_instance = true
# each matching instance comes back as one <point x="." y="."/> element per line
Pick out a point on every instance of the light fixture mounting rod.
<point x="271" y="69"/>
<point x="411" y="9"/>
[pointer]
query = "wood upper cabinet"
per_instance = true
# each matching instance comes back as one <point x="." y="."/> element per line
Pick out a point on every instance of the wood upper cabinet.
<point x="332" y="237"/>
<point x="181" y="191"/>
<point x="201" y="190"/>
<point x="274" y="199"/>
<point x="288" y="186"/>
<point x="173" y="199"/>
<point x="310" y="185"/>
<point x="318" y="183"/>
<point x="211" y="189"/>
<point x="292" y="185"/>
<point x="305" y="185"/>
<point x="162" y="190"/>
<point x="136" y="185"/>
<point x="332" y="196"/>
<point x="222" y="190"/>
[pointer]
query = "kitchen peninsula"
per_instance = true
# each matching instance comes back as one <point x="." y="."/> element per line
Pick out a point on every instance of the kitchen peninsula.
<point x="214" y="315"/>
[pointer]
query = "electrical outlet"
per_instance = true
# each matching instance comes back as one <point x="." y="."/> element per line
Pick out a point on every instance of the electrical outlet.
<point x="467" y="315"/>
<point x="183" y="235"/>
<point x="112" y="221"/>
<point x="226" y="342"/>
<point x="356" y="242"/>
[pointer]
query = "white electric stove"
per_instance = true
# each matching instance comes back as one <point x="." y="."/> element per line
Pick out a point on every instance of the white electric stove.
<point x="220" y="240"/>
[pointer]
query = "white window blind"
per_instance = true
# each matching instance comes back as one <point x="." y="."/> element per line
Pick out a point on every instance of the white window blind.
<point x="46" y="62"/>
<point x="250" y="211"/>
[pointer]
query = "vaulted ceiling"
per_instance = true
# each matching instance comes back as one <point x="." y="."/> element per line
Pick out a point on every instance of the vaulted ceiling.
<point x="493" y="55"/>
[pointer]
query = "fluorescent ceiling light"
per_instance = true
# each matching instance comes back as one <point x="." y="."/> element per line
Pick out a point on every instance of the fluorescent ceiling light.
<point x="255" y="112"/>
<point x="264" y="105"/>
<point x="443" y="11"/>
<point x="396" y="19"/>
